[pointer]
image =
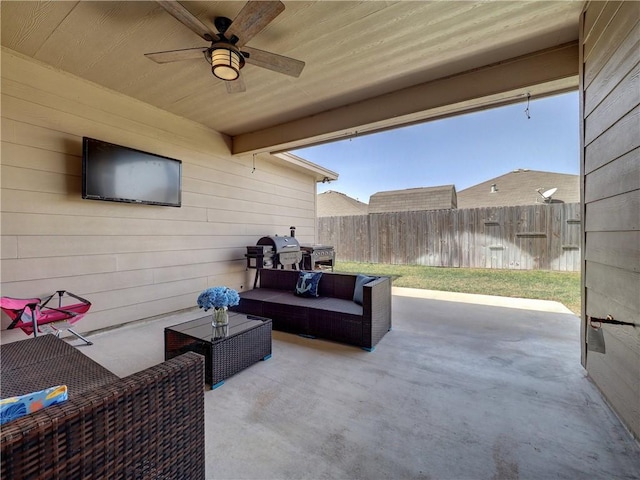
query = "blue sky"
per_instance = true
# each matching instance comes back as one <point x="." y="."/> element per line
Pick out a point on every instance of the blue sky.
<point x="463" y="150"/>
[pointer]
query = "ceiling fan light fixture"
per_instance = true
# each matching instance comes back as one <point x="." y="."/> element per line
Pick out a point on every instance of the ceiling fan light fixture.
<point x="226" y="62"/>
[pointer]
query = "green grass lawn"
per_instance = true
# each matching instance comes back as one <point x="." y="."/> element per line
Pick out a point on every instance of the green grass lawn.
<point x="563" y="287"/>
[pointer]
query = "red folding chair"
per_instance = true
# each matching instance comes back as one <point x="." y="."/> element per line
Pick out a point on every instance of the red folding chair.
<point x="33" y="316"/>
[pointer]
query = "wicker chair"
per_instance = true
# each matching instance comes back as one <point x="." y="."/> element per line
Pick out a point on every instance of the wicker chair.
<point x="149" y="425"/>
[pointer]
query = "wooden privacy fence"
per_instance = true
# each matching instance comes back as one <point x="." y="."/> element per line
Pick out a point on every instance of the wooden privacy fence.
<point x="527" y="237"/>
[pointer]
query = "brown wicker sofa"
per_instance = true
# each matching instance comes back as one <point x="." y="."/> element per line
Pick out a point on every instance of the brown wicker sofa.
<point x="333" y="315"/>
<point x="148" y="425"/>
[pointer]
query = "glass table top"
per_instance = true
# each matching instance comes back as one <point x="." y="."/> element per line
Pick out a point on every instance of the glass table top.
<point x="202" y="329"/>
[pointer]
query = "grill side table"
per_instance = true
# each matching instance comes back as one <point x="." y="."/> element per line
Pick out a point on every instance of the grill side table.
<point x="247" y="341"/>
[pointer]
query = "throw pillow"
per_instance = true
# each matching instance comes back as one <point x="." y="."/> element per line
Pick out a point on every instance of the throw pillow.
<point x="307" y="285"/>
<point x="16" y="407"/>
<point x="361" y="281"/>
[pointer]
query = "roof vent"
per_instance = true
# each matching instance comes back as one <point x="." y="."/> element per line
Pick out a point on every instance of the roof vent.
<point x="494" y="188"/>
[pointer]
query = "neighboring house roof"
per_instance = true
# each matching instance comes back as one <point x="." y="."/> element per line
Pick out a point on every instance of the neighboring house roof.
<point x="413" y="199"/>
<point x="520" y="187"/>
<point x="336" y="204"/>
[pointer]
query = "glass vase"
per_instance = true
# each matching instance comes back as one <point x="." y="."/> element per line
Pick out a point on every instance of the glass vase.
<point x="220" y="322"/>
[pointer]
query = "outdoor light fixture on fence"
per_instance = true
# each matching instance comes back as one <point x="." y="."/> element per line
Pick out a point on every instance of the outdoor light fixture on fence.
<point x="595" y="335"/>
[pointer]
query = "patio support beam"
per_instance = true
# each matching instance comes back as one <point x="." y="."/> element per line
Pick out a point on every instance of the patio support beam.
<point x="546" y="72"/>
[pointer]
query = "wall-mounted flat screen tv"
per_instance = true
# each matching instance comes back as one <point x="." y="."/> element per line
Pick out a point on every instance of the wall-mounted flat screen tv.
<point x="121" y="174"/>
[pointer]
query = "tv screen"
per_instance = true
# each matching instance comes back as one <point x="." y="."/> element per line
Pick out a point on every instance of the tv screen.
<point x="121" y="174"/>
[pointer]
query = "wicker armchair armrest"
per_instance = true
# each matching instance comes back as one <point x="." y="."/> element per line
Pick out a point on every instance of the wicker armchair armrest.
<point x="147" y="425"/>
<point x="376" y="304"/>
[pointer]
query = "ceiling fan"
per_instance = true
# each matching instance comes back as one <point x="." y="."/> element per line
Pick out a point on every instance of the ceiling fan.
<point x="228" y="52"/>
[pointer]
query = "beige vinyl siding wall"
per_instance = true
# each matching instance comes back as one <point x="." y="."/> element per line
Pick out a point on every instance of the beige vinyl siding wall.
<point x="611" y="168"/>
<point x="130" y="261"/>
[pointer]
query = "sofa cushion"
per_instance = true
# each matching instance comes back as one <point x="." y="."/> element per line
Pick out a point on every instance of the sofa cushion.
<point x="270" y="295"/>
<point x="321" y="303"/>
<point x="361" y="281"/>
<point x="278" y="297"/>
<point x="339" y="305"/>
<point x="289" y="298"/>
<point x="307" y="285"/>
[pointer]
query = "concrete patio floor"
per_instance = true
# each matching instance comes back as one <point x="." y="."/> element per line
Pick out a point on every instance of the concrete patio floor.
<point x="463" y="387"/>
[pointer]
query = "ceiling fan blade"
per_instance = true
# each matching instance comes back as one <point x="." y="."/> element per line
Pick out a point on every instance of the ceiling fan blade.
<point x="273" y="61"/>
<point x="236" y="86"/>
<point x="177" y="55"/>
<point x="183" y="15"/>
<point x="252" y="19"/>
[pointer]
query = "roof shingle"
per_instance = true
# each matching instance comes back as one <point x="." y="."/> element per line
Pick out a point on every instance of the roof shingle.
<point x="414" y="199"/>
<point x="521" y="187"/>
<point x="336" y="204"/>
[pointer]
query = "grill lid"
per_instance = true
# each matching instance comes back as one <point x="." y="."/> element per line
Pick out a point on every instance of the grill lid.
<point x="281" y="244"/>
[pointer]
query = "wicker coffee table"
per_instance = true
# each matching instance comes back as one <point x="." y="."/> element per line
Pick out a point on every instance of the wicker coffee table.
<point x="227" y="350"/>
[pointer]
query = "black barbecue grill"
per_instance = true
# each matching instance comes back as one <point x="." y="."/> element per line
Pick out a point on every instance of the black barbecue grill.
<point x="315" y="256"/>
<point x="274" y="251"/>
<point x="284" y="250"/>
